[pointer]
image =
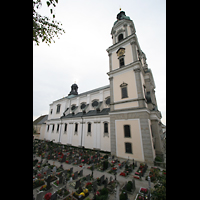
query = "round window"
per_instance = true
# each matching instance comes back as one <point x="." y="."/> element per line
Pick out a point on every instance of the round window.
<point x="108" y="101"/>
<point x="95" y="103"/>
<point x="73" y="107"/>
<point x="83" y="105"/>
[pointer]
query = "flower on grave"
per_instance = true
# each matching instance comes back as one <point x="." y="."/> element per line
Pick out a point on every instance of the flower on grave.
<point x="38" y="166"/>
<point x="39" y="175"/>
<point x="98" y="193"/>
<point x="47" y="196"/>
<point x="136" y="177"/>
<point x="67" y="161"/>
<point x="82" y="193"/>
<point x="88" y="167"/>
<point x="85" y="190"/>
<point x="82" y="160"/>
<point x="122" y="174"/>
<point x="114" y="168"/>
<point x="119" y="164"/>
<point x="88" y="183"/>
<point x="136" y="173"/>
<point x="113" y="162"/>
<point x="57" y="182"/>
<point x="80" y="165"/>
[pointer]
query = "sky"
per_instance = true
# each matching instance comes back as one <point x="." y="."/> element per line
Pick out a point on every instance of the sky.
<point x="80" y="54"/>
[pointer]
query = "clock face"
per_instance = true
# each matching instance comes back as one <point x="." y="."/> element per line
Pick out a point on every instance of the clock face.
<point x="121" y="52"/>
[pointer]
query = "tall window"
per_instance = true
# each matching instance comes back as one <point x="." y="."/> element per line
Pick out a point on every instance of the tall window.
<point x="58" y="127"/>
<point x="105" y="127"/>
<point x="76" y="127"/>
<point x="47" y="128"/>
<point x="120" y="37"/>
<point x="58" y="108"/>
<point x="53" y="128"/>
<point x="127" y="132"/>
<point x="89" y="127"/>
<point x="124" y="90"/>
<point x="128" y="147"/>
<point x="65" y="127"/>
<point x="121" y="62"/>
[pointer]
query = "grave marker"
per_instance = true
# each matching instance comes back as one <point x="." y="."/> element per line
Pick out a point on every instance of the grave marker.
<point x="77" y="184"/>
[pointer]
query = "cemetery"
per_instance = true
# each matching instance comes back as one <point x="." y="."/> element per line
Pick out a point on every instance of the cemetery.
<point x="67" y="172"/>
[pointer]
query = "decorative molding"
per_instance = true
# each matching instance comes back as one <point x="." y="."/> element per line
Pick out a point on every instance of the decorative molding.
<point x="123" y="84"/>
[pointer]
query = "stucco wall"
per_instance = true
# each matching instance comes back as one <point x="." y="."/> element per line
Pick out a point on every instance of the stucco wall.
<point x="135" y="140"/>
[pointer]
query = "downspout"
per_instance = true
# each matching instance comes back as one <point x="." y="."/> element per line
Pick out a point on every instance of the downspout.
<point x="81" y="130"/>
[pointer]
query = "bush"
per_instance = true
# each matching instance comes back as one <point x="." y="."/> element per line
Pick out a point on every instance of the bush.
<point x="105" y="156"/>
<point x="158" y="159"/>
<point x="122" y="196"/>
<point x="104" y="191"/>
<point x="129" y="186"/>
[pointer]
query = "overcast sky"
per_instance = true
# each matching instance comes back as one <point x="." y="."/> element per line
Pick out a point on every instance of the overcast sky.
<point x="80" y="54"/>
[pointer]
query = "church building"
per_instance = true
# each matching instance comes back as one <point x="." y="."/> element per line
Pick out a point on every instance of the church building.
<point x="122" y="117"/>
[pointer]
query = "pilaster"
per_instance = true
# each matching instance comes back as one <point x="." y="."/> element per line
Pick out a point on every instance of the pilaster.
<point x="139" y="86"/>
<point x="134" y="52"/>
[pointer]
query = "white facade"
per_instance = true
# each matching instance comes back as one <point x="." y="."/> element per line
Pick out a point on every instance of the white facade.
<point x="96" y="138"/>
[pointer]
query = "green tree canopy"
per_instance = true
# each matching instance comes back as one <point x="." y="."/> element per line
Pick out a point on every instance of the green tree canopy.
<point x="45" y="28"/>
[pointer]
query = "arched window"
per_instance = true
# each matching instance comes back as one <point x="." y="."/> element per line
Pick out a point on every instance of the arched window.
<point x="120" y="37"/>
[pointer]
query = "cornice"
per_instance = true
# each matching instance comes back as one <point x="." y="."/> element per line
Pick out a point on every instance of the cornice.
<point x="135" y="65"/>
<point x="122" y="42"/>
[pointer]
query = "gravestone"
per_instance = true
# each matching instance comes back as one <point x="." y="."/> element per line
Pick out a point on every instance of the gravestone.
<point x="45" y="168"/>
<point x="102" y="179"/>
<point x="135" y="163"/>
<point x="133" y="183"/>
<point x="64" y="158"/>
<point x="54" y="170"/>
<point x="71" y="170"/>
<point x="48" y="182"/>
<point x="113" y="157"/>
<point x="48" y="171"/>
<point x="88" y="177"/>
<point x="60" y="179"/>
<point x="40" y="195"/>
<point x="81" y="173"/>
<point x="76" y="175"/>
<point x="54" y="196"/>
<point x="77" y="184"/>
<point x="106" y="182"/>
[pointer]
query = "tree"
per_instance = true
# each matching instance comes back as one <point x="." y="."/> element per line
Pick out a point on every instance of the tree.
<point x="159" y="193"/>
<point x="43" y="27"/>
<point x="34" y="131"/>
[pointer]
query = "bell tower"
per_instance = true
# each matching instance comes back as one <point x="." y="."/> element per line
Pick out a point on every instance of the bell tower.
<point x="131" y="94"/>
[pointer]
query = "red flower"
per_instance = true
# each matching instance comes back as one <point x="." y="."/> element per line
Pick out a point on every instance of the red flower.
<point x="82" y="160"/>
<point x="47" y="196"/>
<point x="38" y="166"/>
<point x="122" y="174"/>
<point x="98" y="193"/>
<point x="67" y="161"/>
<point x="119" y="164"/>
<point x="114" y="168"/>
<point x="80" y="165"/>
<point x="136" y="177"/>
<point x="88" y="183"/>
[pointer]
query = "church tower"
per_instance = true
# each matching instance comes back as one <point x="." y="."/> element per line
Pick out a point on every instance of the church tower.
<point x="134" y="115"/>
